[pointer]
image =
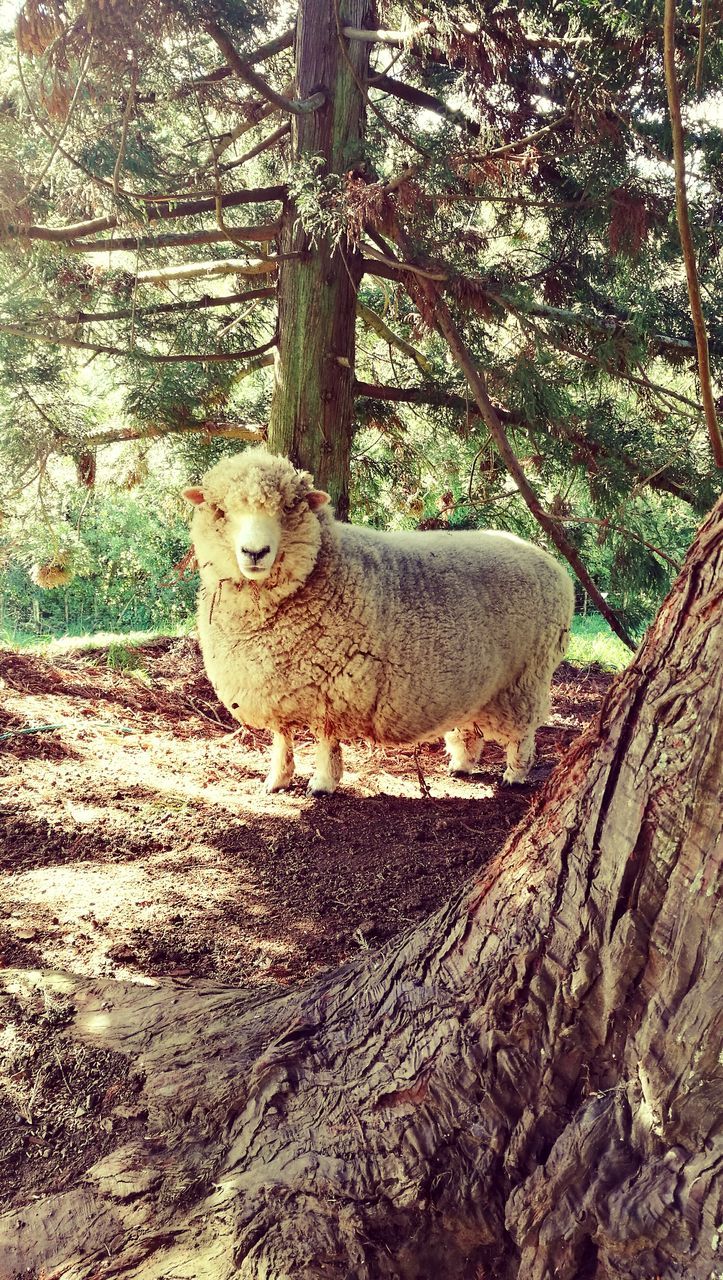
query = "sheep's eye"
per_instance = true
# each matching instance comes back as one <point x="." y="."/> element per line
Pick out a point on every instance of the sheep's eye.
<point x="218" y="512"/>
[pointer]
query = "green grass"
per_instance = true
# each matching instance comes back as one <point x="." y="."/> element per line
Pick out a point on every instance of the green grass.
<point x="592" y="641"/>
<point x="79" y="642"/>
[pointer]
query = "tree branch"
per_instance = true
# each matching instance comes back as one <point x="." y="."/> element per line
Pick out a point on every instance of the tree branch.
<point x="244" y="73"/>
<point x="165" y="208"/>
<point x="197" y="357"/>
<point x="264" y="51"/>
<point x="640" y="468"/>
<point x="427" y="101"/>
<point x="686" y="238"/>
<point x="214" y="267"/>
<point x="506" y="452"/>
<point x="399" y="39"/>
<point x="433" y="304"/>
<point x="620" y="528"/>
<point x="161" y="308"/>
<point x="282" y="131"/>
<point x="608" y="324"/>
<point x="376" y="323"/>
<point x="254" y="235"/>
<point x="224" y="430"/>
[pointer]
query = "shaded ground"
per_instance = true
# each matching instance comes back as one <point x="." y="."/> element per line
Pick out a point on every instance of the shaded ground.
<point x="137" y="843"/>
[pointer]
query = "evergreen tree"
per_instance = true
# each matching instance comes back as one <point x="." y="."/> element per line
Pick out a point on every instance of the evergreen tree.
<point x="245" y="223"/>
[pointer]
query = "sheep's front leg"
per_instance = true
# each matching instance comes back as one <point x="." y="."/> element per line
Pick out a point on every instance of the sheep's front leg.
<point x="281" y="770"/>
<point x="328" y="770"/>
<point x="520" y="758"/>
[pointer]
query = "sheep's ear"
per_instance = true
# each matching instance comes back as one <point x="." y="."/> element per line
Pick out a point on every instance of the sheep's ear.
<point x="196" y="496"/>
<point x="316" y="498"/>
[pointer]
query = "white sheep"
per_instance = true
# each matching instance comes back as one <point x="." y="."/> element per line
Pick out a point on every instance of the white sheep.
<point x="395" y="637"/>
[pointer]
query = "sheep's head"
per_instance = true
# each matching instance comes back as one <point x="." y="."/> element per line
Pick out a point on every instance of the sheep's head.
<point x="255" y="506"/>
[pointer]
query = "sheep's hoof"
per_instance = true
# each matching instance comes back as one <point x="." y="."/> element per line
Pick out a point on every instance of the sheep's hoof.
<point x="512" y="776"/>
<point x="274" y="784"/>
<point x="321" y="787"/>
<point x="462" y="770"/>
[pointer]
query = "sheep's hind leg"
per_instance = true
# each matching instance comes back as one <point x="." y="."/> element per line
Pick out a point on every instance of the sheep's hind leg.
<point x="520" y="758"/>
<point x="464" y="750"/>
<point x="281" y="770"/>
<point x="328" y="769"/>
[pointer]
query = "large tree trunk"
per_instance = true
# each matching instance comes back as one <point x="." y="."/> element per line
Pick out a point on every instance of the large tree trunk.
<point x="312" y="411"/>
<point x="526" y="1086"/>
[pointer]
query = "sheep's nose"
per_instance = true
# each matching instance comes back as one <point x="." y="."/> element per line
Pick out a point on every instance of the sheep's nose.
<point x="255" y="555"/>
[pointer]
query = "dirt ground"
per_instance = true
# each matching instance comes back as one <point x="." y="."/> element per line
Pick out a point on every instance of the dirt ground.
<point x="137" y="843"/>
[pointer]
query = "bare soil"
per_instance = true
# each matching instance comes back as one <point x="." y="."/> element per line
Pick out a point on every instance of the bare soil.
<point x="137" y="843"/>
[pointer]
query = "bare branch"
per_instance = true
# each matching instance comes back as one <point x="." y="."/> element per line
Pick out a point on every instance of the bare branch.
<point x="244" y="73"/>
<point x="254" y="235"/>
<point x="376" y="323"/>
<point x="401" y="267"/>
<point x="214" y="267"/>
<point x="161" y="308"/>
<point x="686" y="238"/>
<point x="400" y="39"/>
<point x="701" y="46"/>
<point x="224" y="430"/>
<point x="196" y="357"/>
<point x="282" y="131"/>
<point x="254" y="113"/>
<point x="165" y="208"/>
<point x="264" y="51"/>
<point x="427" y="101"/>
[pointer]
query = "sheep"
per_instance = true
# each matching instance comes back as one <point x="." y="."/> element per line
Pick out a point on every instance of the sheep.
<point x="401" y="637"/>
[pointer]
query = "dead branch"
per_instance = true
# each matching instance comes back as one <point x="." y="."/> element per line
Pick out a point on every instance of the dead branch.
<point x="243" y="72"/>
<point x="426" y="101"/>
<point x="254" y="235"/>
<point x="282" y="131"/>
<point x="214" y="267"/>
<point x="164" y="208"/>
<point x="376" y="323"/>
<point x="223" y="430"/>
<point x="701" y="46"/>
<point x="686" y="238"/>
<point x="400" y="39"/>
<point x="161" y="308"/>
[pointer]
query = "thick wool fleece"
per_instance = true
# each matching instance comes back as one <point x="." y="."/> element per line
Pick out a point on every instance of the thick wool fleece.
<point x="395" y="637"/>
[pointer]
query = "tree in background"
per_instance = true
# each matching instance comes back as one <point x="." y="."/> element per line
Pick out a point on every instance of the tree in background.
<point x="404" y="202"/>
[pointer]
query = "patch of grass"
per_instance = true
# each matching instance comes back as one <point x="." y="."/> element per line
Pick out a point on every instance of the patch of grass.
<point x="86" y="642"/>
<point x="592" y="642"/>
<point x="122" y="657"/>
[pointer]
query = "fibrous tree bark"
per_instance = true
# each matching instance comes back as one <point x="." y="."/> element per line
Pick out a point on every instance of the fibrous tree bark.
<point x="312" y="408"/>
<point x="528" y="1085"/>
